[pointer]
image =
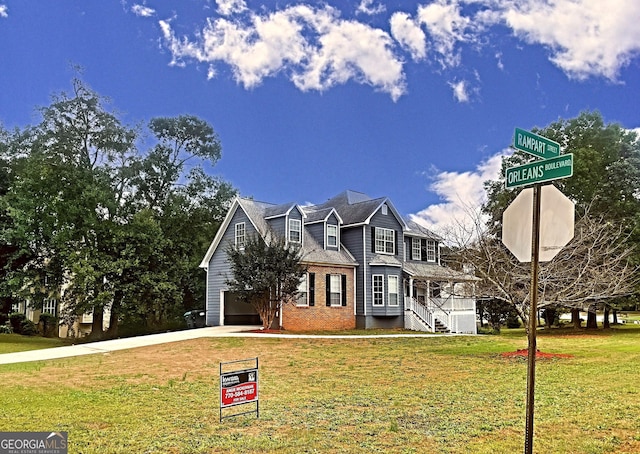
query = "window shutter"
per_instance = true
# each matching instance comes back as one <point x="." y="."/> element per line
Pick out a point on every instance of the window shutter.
<point x="328" y="292"/>
<point x="312" y="289"/>
<point x="373" y="239"/>
<point x="397" y="245"/>
<point x="344" y="289"/>
<point x="423" y="249"/>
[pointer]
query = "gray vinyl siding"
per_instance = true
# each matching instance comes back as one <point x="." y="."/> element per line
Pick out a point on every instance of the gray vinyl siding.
<point x="408" y="246"/>
<point x="385" y="310"/>
<point x="278" y="225"/>
<point x="388" y="221"/>
<point x="316" y="230"/>
<point x="352" y="240"/>
<point x="218" y="269"/>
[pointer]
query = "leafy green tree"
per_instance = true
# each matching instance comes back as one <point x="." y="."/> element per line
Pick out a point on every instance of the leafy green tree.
<point x="266" y="274"/>
<point x="121" y="230"/>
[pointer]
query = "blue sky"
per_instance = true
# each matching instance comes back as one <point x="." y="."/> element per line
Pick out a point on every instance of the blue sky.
<point x="414" y="100"/>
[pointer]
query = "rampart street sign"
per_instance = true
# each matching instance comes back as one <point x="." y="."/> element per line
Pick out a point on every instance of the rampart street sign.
<point x="535" y="145"/>
<point x="540" y="171"/>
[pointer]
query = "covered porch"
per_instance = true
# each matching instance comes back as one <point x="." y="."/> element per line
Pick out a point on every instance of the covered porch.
<point x="439" y="299"/>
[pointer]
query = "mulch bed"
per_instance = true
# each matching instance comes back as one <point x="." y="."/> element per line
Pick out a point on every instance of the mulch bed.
<point x="524" y="353"/>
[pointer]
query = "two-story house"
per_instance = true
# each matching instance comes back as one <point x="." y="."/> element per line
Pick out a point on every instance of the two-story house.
<point x="367" y="267"/>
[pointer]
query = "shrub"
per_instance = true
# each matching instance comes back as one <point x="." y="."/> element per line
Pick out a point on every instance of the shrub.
<point x="513" y="321"/>
<point x="5" y="328"/>
<point x="21" y="325"/>
<point x="48" y="325"/>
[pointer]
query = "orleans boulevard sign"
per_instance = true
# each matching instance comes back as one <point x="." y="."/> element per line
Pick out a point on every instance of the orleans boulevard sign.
<point x="540" y="171"/>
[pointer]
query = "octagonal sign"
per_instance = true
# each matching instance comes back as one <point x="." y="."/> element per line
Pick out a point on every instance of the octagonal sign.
<point x="556" y="223"/>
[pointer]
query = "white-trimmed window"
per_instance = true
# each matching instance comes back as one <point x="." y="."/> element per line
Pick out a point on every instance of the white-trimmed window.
<point x="49" y="306"/>
<point x="385" y="241"/>
<point x="332" y="235"/>
<point x="392" y="287"/>
<point x="416" y="247"/>
<point x="240" y="235"/>
<point x="295" y="230"/>
<point x="335" y="289"/>
<point x="303" y="292"/>
<point x="378" y="289"/>
<point x="385" y="209"/>
<point x="431" y="251"/>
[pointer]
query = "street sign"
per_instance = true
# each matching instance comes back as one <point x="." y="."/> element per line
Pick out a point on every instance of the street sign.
<point x="535" y="145"/>
<point x="540" y="171"/>
<point x="556" y="224"/>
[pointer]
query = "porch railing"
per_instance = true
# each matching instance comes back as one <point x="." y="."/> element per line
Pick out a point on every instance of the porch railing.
<point x="458" y="314"/>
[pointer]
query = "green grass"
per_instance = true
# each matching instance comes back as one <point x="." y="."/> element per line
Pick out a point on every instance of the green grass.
<point x="433" y="395"/>
<point x="10" y="343"/>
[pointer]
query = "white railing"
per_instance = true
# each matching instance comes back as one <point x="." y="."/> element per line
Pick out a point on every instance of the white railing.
<point x="421" y="311"/>
<point x="457" y="314"/>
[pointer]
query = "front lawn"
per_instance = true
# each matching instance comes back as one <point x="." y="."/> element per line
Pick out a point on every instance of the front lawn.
<point x="422" y="395"/>
<point x="10" y="343"/>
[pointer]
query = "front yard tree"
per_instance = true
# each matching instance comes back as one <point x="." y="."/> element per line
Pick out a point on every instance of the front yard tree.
<point x="120" y="229"/>
<point x="595" y="267"/>
<point x="266" y="274"/>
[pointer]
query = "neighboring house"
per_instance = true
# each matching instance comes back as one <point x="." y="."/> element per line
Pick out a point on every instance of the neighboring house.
<point x="79" y="326"/>
<point x="367" y="267"/>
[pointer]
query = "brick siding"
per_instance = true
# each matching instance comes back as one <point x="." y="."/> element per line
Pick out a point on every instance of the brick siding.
<point x="320" y="316"/>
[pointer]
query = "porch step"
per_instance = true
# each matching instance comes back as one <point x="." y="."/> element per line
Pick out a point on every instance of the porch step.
<point x="441" y="327"/>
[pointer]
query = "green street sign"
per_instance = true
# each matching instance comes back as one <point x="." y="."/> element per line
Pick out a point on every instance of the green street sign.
<point x="540" y="171"/>
<point x="535" y="145"/>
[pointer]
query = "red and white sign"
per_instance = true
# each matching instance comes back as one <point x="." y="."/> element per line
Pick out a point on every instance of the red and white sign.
<point x="238" y="387"/>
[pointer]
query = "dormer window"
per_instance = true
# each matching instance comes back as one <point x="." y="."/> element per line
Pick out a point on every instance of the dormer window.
<point x="332" y="235"/>
<point x="295" y="230"/>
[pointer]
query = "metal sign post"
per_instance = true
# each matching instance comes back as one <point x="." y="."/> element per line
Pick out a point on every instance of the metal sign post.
<point x="533" y="319"/>
<point x="552" y="166"/>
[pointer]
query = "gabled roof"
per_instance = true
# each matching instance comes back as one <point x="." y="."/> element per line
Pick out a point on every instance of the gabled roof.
<point x="276" y="211"/>
<point x="320" y="215"/>
<point x="257" y="212"/>
<point x="312" y="252"/>
<point x="357" y="208"/>
<point x="416" y="230"/>
<point x="254" y="211"/>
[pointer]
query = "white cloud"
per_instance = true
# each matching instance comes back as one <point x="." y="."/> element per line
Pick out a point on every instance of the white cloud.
<point x="331" y="50"/>
<point x="409" y="34"/>
<point x="349" y="50"/>
<point x="446" y="27"/>
<point x="460" y="91"/>
<point x="462" y="195"/>
<point x="228" y="7"/>
<point x="3" y="11"/>
<point x="142" y="10"/>
<point x="316" y="49"/>
<point x="367" y="7"/>
<point x="586" y="37"/>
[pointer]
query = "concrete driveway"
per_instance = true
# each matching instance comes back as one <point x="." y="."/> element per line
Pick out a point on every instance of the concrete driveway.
<point x="153" y="339"/>
<point x="122" y="344"/>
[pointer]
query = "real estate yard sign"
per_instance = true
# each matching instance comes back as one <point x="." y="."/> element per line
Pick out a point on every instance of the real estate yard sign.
<point x="239" y="387"/>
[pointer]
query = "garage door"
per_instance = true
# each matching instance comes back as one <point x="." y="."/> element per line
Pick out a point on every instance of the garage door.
<point x="239" y="313"/>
